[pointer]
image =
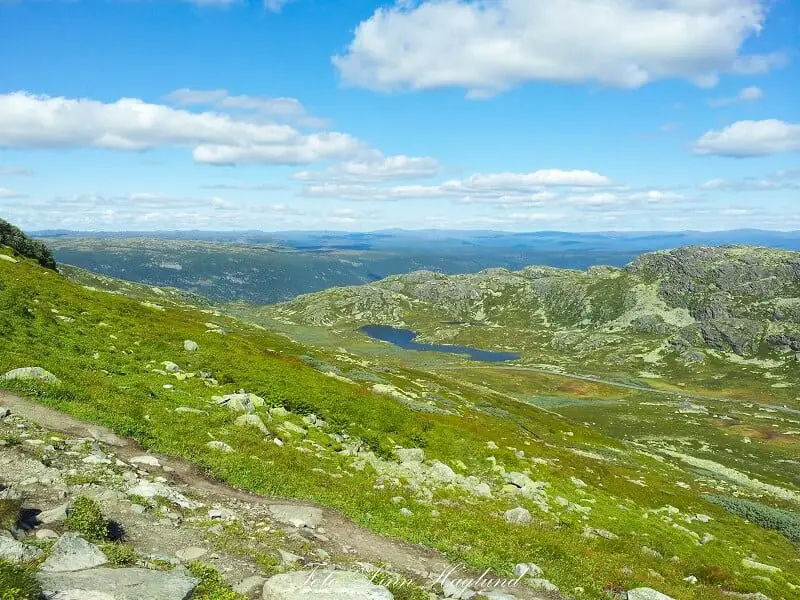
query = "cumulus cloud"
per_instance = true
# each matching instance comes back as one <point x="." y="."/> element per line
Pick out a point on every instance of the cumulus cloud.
<point x="130" y="124"/>
<point x="488" y="46"/>
<point x="289" y="109"/>
<point x="748" y="94"/>
<point x="503" y="188"/>
<point x="750" y="138"/>
<point x="375" y="166"/>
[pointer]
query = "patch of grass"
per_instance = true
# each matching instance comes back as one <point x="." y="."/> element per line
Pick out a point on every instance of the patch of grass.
<point x="82" y="479"/>
<point x="18" y="582"/>
<point x="85" y="517"/>
<point x="212" y="585"/>
<point x="120" y="555"/>
<point x="9" y="513"/>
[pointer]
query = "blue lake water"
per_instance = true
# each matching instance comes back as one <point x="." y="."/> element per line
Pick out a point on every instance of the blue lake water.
<point x="404" y="338"/>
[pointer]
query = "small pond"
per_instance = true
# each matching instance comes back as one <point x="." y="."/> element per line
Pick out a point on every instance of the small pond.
<point x="404" y="338"/>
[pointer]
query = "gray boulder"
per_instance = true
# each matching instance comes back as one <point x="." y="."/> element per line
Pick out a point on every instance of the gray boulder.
<point x="410" y="454"/>
<point x="190" y="346"/>
<point x="31" y="373"/>
<point x="241" y="402"/>
<point x="160" y="490"/>
<point x="518" y="516"/>
<point x="117" y="584"/>
<point x="220" y="446"/>
<point x="17" y="552"/>
<point x="73" y="553"/>
<point x="296" y="516"/>
<point x="647" y="594"/>
<point x="251" y="420"/>
<point x="323" y="585"/>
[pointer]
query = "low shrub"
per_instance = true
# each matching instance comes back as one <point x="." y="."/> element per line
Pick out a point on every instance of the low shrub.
<point x="783" y="521"/>
<point x="212" y="585"/>
<point x="85" y="517"/>
<point x="120" y="555"/>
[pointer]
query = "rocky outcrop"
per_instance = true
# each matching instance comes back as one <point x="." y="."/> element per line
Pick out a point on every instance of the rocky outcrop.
<point x="323" y="585"/>
<point x="117" y="584"/>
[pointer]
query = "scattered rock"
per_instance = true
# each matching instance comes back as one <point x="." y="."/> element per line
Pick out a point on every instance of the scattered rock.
<point x="73" y="553"/>
<point x="593" y="533"/>
<point x="17" y="552"/>
<point x="221" y="446"/>
<point x="406" y="512"/>
<point x="31" y="373"/>
<point x="251" y="420"/>
<point x="410" y="455"/>
<point x="751" y="564"/>
<point x="117" y="584"/>
<point x="190" y="554"/>
<point x="250" y="587"/>
<point x="518" y="516"/>
<point x="54" y="515"/>
<point x="528" y="569"/>
<point x="160" y="490"/>
<point x="46" y="534"/>
<point x="171" y="367"/>
<point x="323" y="585"/>
<point x="287" y="558"/>
<point x="296" y="516"/>
<point x="647" y="594"/>
<point x="146" y="459"/>
<point x="190" y="346"/>
<point x="187" y="410"/>
<point x="241" y="402"/>
<point x="543" y="584"/>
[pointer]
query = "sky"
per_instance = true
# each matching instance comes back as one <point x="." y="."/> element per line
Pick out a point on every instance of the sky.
<point x="514" y="115"/>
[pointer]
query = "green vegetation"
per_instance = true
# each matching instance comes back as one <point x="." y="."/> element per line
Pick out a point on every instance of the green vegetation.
<point x="85" y="517"/>
<point x="783" y="521"/>
<point x="18" y="582"/>
<point x="119" y="554"/>
<point x="25" y="246"/>
<point x="9" y="512"/>
<point x="212" y="585"/>
<point x="108" y="356"/>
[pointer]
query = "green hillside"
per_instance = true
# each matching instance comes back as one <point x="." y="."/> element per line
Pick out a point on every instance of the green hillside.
<point x="599" y="515"/>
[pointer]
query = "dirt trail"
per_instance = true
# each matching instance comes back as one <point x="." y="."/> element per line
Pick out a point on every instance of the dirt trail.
<point x="417" y="562"/>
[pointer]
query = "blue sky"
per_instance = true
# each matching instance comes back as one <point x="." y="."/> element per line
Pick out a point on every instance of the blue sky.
<point x="578" y="115"/>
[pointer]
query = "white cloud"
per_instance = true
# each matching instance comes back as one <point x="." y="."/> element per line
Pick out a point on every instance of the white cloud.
<point x="6" y="194"/>
<point x="748" y="94"/>
<point x="488" y="46"/>
<point x="751" y="138"/>
<point x="129" y="124"/>
<point x="288" y="109"/>
<point x="779" y="180"/>
<point x="501" y="188"/>
<point x="375" y="167"/>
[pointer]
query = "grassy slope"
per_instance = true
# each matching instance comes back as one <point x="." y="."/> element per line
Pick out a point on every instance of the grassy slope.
<point x="120" y="390"/>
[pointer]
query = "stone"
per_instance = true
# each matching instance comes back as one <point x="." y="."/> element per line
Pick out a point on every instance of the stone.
<point x="499" y="595"/>
<point x="406" y="512"/>
<point x="220" y="446"/>
<point x="73" y="553"/>
<point x="691" y="580"/>
<point x="543" y="584"/>
<point x="251" y="420"/>
<point x="518" y="516"/>
<point x="593" y="533"/>
<point x="292" y="428"/>
<point x="323" y="585"/>
<point x="647" y="594"/>
<point x="171" y="367"/>
<point x="457" y="589"/>
<point x="278" y="411"/>
<point x="4" y="412"/>
<point x="17" y="552"/>
<point x="410" y="454"/>
<point x="578" y="483"/>
<point x="54" y="515"/>
<point x="287" y="558"/>
<point x="441" y="472"/>
<point x="146" y="459"/>
<point x="160" y="490"/>
<point x="296" y="516"/>
<point x="117" y="584"/>
<point x="528" y="569"/>
<point x="188" y="410"/>
<point x="241" y="402"/>
<point x="751" y="564"/>
<point x="190" y="346"/>
<point x="45" y="534"/>
<point x="191" y="553"/>
<point x="31" y="373"/>
<point x="250" y="587"/>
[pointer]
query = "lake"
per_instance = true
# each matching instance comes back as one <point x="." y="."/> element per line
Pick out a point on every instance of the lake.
<point x="404" y="338"/>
